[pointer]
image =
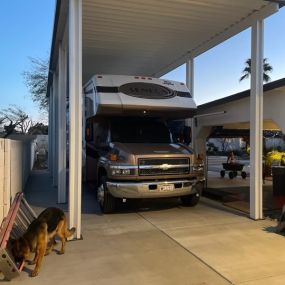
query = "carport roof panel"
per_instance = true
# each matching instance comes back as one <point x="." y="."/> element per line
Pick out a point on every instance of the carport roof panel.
<point x="152" y="37"/>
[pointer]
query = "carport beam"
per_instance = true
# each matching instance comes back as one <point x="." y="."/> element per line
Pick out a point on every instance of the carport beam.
<point x="190" y="75"/>
<point x="190" y="85"/>
<point x="75" y="113"/>
<point x="256" y="120"/>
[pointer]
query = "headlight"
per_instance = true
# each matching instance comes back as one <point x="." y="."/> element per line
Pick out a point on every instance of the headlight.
<point x="198" y="167"/>
<point x="122" y="170"/>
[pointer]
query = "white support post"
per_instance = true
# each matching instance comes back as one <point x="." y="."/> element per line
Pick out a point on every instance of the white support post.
<point x="256" y="120"/>
<point x="50" y="132"/>
<point x="190" y="85"/>
<point x="190" y="75"/>
<point x="75" y="114"/>
<point x="61" y="138"/>
<point x="54" y="129"/>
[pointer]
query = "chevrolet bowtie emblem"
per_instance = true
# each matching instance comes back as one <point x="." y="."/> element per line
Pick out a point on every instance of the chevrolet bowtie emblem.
<point x="164" y="166"/>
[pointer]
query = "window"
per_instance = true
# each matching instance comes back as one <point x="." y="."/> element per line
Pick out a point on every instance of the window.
<point x="139" y="131"/>
<point x="100" y="134"/>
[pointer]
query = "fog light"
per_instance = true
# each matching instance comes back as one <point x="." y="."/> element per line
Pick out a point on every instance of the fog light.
<point x="126" y="171"/>
<point x="116" y="171"/>
<point x="121" y="171"/>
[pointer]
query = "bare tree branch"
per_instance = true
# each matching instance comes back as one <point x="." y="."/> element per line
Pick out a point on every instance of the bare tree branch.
<point x="36" y="81"/>
<point x="15" y="120"/>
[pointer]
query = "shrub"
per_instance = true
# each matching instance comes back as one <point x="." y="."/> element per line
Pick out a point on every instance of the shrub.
<point x="274" y="156"/>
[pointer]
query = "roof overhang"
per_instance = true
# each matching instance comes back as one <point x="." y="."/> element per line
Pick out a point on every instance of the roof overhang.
<point x="152" y="37"/>
<point x="278" y="84"/>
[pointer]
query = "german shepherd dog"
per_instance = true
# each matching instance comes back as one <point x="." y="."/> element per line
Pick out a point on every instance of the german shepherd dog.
<point x="49" y="224"/>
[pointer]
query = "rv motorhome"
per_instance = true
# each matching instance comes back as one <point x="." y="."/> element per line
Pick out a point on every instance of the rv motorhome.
<point x="130" y="150"/>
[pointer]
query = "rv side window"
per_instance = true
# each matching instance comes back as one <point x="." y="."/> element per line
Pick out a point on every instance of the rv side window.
<point x="101" y="134"/>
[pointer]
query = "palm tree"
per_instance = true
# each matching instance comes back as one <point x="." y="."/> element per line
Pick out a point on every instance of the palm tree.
<point x="266" y="69"/>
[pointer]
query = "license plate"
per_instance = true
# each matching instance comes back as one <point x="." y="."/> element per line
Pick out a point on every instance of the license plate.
<point x="166" y="187"/>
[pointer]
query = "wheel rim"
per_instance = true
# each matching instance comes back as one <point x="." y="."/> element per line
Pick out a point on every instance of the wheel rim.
<point x="100" y="194"/>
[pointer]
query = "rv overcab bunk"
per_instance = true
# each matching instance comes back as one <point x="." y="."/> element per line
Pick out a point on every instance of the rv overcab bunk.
<point x="137" y="96"/>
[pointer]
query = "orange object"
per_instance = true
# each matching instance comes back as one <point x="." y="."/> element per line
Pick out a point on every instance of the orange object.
<point x="113" y="157"/>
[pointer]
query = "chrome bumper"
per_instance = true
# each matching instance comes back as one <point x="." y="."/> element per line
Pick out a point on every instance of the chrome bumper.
<point x="153" y="189"/>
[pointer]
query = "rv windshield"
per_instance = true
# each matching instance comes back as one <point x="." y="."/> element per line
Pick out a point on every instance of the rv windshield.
<point x="130" y="130"/>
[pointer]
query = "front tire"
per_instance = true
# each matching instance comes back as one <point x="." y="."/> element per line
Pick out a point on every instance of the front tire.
<point x="106" y="201"/>
<point x="190" y="200"/>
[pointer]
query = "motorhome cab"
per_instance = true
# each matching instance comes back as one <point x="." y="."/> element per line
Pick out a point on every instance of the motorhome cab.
<point x="130" y="150"/>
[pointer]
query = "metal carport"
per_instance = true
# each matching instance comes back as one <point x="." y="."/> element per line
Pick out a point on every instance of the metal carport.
<point x="141" y="37"/>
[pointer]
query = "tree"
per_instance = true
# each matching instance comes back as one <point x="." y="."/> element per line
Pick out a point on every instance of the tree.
<point x="36" y="80"/>
<point x="15" y="119"/>
<point x="38" y="129"/>
<point x="2" y="120"/>
<point x="266" y="69"/>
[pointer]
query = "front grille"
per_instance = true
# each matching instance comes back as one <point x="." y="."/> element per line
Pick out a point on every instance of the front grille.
<point x="159" y="161"/>
<point x="163" y="166"/>
<point x="164" y="172"/>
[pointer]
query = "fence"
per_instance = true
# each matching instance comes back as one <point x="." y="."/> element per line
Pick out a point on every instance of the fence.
<point x="16" y="162"/>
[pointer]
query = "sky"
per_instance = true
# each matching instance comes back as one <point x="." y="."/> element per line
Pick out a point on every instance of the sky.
<point x="26" y="31"/>
<point x="217" y="71"/>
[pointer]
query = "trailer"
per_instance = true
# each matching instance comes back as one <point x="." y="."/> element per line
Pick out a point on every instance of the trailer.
<point x="233" y="170"/>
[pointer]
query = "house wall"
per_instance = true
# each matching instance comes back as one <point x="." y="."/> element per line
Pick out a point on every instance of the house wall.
<point x="42" y="144"/>
<point x="236" y="114"/>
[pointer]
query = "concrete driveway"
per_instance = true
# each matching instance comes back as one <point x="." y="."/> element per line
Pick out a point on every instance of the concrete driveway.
<point x="161" y="243"/>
